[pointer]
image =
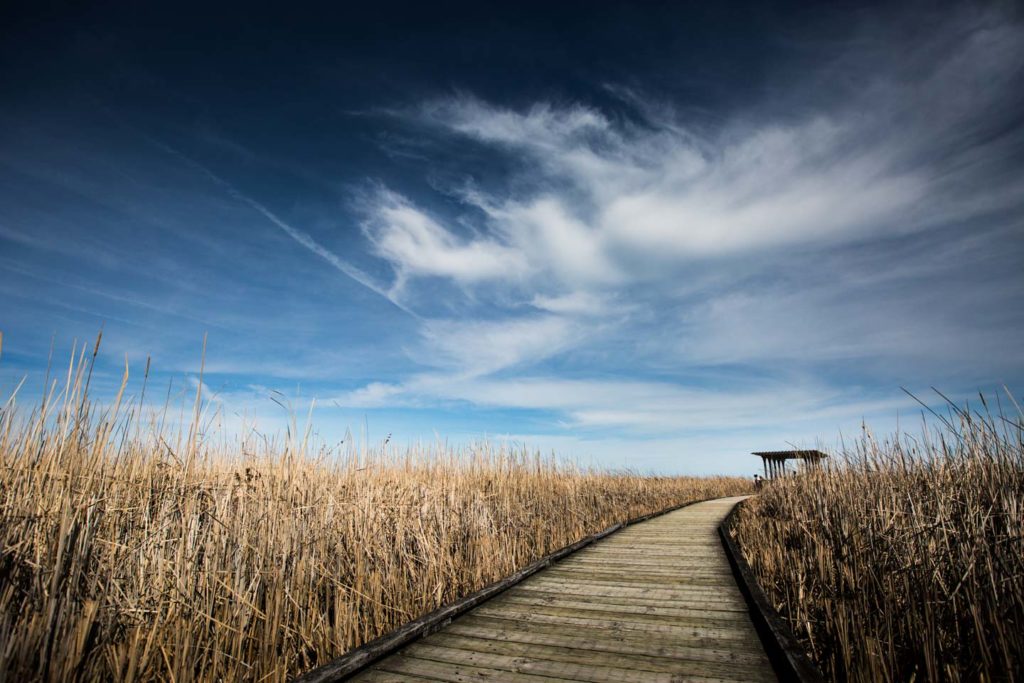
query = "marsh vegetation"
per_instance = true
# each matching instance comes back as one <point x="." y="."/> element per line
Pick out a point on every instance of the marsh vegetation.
<point x="131" y="549"/>
<point x="903" y="559"/>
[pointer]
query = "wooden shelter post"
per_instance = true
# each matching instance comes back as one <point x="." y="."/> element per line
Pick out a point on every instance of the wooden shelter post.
<point x="774" y="462"/>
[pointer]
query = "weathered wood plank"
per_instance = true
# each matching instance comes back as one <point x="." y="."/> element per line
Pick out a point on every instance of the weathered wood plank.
<point x="454" y="673"/>
<point x="604" y="641"/>
<point x="627" y="606"/>
<point x="666" y="559"/>
<point x="692" y="601"/>
<point x="642" y="590"/>
<point x="632" y="623"/>
<point x="699" y="619"/>
<point x="379" y="676"/>
<point x="595" y="657"/>
<point x="510" y="666"/>
<point x="664" y="545"/>
<point x="643" y="577"/>
<point x="638" y="561"/>
<point x="736" y="608"/>
<point x="622" y="568"/>
<point x="659" y="550"/>
<point x="638" y="573"/>
<point x="608" y="579"/>
<point x="623" y="564"/>
<point x="628" y="561"/>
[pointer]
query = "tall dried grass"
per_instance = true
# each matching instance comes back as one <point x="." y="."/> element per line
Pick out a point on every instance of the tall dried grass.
<point x="130" y="551"/>
<point x="905" y="559"/>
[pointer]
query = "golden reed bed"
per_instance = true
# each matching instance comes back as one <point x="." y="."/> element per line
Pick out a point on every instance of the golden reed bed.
<point x="130" y="551"/>
<point x="905" y="559"/>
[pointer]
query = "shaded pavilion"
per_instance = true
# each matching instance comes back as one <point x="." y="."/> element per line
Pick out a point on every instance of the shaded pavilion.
<point x="775" y="461"/>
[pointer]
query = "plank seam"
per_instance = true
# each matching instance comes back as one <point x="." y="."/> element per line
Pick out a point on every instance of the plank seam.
<point x="592" y="647"/>
<point x="426" y="658"/>
<point x="540" y="658"/>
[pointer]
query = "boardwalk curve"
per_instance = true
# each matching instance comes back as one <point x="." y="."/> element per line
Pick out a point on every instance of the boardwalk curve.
<point x="654" y="602"/>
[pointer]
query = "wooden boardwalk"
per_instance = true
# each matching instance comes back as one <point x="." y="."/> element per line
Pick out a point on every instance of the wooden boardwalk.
<point x="654" y="602"/>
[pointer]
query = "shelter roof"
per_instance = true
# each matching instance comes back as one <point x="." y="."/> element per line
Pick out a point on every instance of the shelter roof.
<point x="792" y="455"/>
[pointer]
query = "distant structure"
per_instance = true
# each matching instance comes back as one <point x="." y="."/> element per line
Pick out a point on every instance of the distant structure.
<point x="775" y="461"/>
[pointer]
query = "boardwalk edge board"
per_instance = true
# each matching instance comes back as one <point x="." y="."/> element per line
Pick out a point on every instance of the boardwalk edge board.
<point x="363" y="656"/>
<point x="787" y="656"/>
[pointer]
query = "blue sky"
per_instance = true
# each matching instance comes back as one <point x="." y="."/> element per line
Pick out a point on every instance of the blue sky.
<point x="655" y="236"/>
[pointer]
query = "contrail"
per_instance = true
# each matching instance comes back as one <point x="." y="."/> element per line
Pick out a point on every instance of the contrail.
<point x="299" y="236"/>
<point x="309" y="243"/>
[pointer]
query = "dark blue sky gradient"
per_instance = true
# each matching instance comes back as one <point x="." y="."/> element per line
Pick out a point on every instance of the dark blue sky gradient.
<point x="655" y="234"/>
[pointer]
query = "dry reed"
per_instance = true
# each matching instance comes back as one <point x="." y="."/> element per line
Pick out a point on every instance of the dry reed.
<point x="905" y="559"/>
<point x="132" y="551"/>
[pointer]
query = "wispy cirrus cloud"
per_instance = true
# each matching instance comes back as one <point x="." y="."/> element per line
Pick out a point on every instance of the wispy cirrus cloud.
<point x="817" y="234"/>
<point x="636" y="406"/>
<point x="609" y="197"/>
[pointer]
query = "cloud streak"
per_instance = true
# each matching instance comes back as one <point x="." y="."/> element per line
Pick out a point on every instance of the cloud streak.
<point x="302" y="238"/>
<point x="642" y="407"/>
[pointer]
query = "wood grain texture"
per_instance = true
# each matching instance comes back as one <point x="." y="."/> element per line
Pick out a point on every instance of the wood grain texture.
<point x="654" y="602"/>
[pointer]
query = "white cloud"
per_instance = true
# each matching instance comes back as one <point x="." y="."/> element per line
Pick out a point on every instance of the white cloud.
<point x="418" y="246"/>
<point x="749" y="205"/>
<point x="542" y="125"/>
<point x="575" y="303"/>
<point x="373" y="395"/>
<point x="555" y="241"/>
<point x="482" y="347"/>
